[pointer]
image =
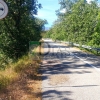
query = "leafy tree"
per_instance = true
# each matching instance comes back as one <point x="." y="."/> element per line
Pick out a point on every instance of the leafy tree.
<point x="80" y="23"/>
<point x="19" y="27"/>
<point x="95" y="41"/>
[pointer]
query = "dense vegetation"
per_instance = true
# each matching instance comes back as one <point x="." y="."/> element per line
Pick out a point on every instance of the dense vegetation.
<point x="18" y="28"/>
<point x="79" y="24"/>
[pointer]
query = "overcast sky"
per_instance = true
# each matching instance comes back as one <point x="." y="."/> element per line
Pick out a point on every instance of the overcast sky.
<point x="48" y="10"/>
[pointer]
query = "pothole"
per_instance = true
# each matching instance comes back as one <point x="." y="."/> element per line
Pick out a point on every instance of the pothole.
<point x="58" y="79"/>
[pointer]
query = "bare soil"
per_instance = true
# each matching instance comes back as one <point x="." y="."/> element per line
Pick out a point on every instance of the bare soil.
<point x="26" y="87"/>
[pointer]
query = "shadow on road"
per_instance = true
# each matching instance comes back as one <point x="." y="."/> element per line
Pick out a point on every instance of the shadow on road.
<point x="75" y="86"/>
<point x="62" y="61"/>
<point x="59" y="95"/>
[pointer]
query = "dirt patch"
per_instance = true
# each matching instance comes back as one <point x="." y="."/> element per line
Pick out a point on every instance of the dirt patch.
<point x="58" y="79"/>
<point x="26" y="87"/>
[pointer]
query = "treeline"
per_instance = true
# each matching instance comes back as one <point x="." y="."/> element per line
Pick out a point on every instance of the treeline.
<point x="79" y="24"/>
<point x="18" y="28"/>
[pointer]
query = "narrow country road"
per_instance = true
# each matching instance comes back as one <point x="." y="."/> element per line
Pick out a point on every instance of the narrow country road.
<point x="69" y="74"/>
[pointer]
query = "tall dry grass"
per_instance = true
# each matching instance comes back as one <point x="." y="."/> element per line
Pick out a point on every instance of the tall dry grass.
<point x="13" y="70"/>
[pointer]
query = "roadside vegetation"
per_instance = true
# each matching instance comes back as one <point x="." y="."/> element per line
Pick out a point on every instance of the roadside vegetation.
<point x="79" y="24"/>
<point x="17" y="70"/>
<point x="21" y="80"/>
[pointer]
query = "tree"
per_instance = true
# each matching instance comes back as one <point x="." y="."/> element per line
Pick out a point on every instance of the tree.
<point x="20" y="27"/>
<point x="79" y="24"/>
<point x="95" y="41"/>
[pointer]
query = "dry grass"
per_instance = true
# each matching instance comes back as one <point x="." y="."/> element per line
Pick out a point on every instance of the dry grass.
<point x="21" y="81"/>
<point x="6" y="77"/>
<point x="39" y="49"/>
<point x="25" y="87"/>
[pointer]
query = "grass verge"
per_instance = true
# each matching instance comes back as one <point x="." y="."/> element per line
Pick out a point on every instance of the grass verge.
<point x="21" y="81"/>
<point x="89" y="51"/>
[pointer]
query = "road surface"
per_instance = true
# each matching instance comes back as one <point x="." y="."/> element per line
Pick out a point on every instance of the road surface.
<point x="69" y="74"/>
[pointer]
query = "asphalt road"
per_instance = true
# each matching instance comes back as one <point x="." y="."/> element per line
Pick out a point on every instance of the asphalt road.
<point x="81" y="69"/>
